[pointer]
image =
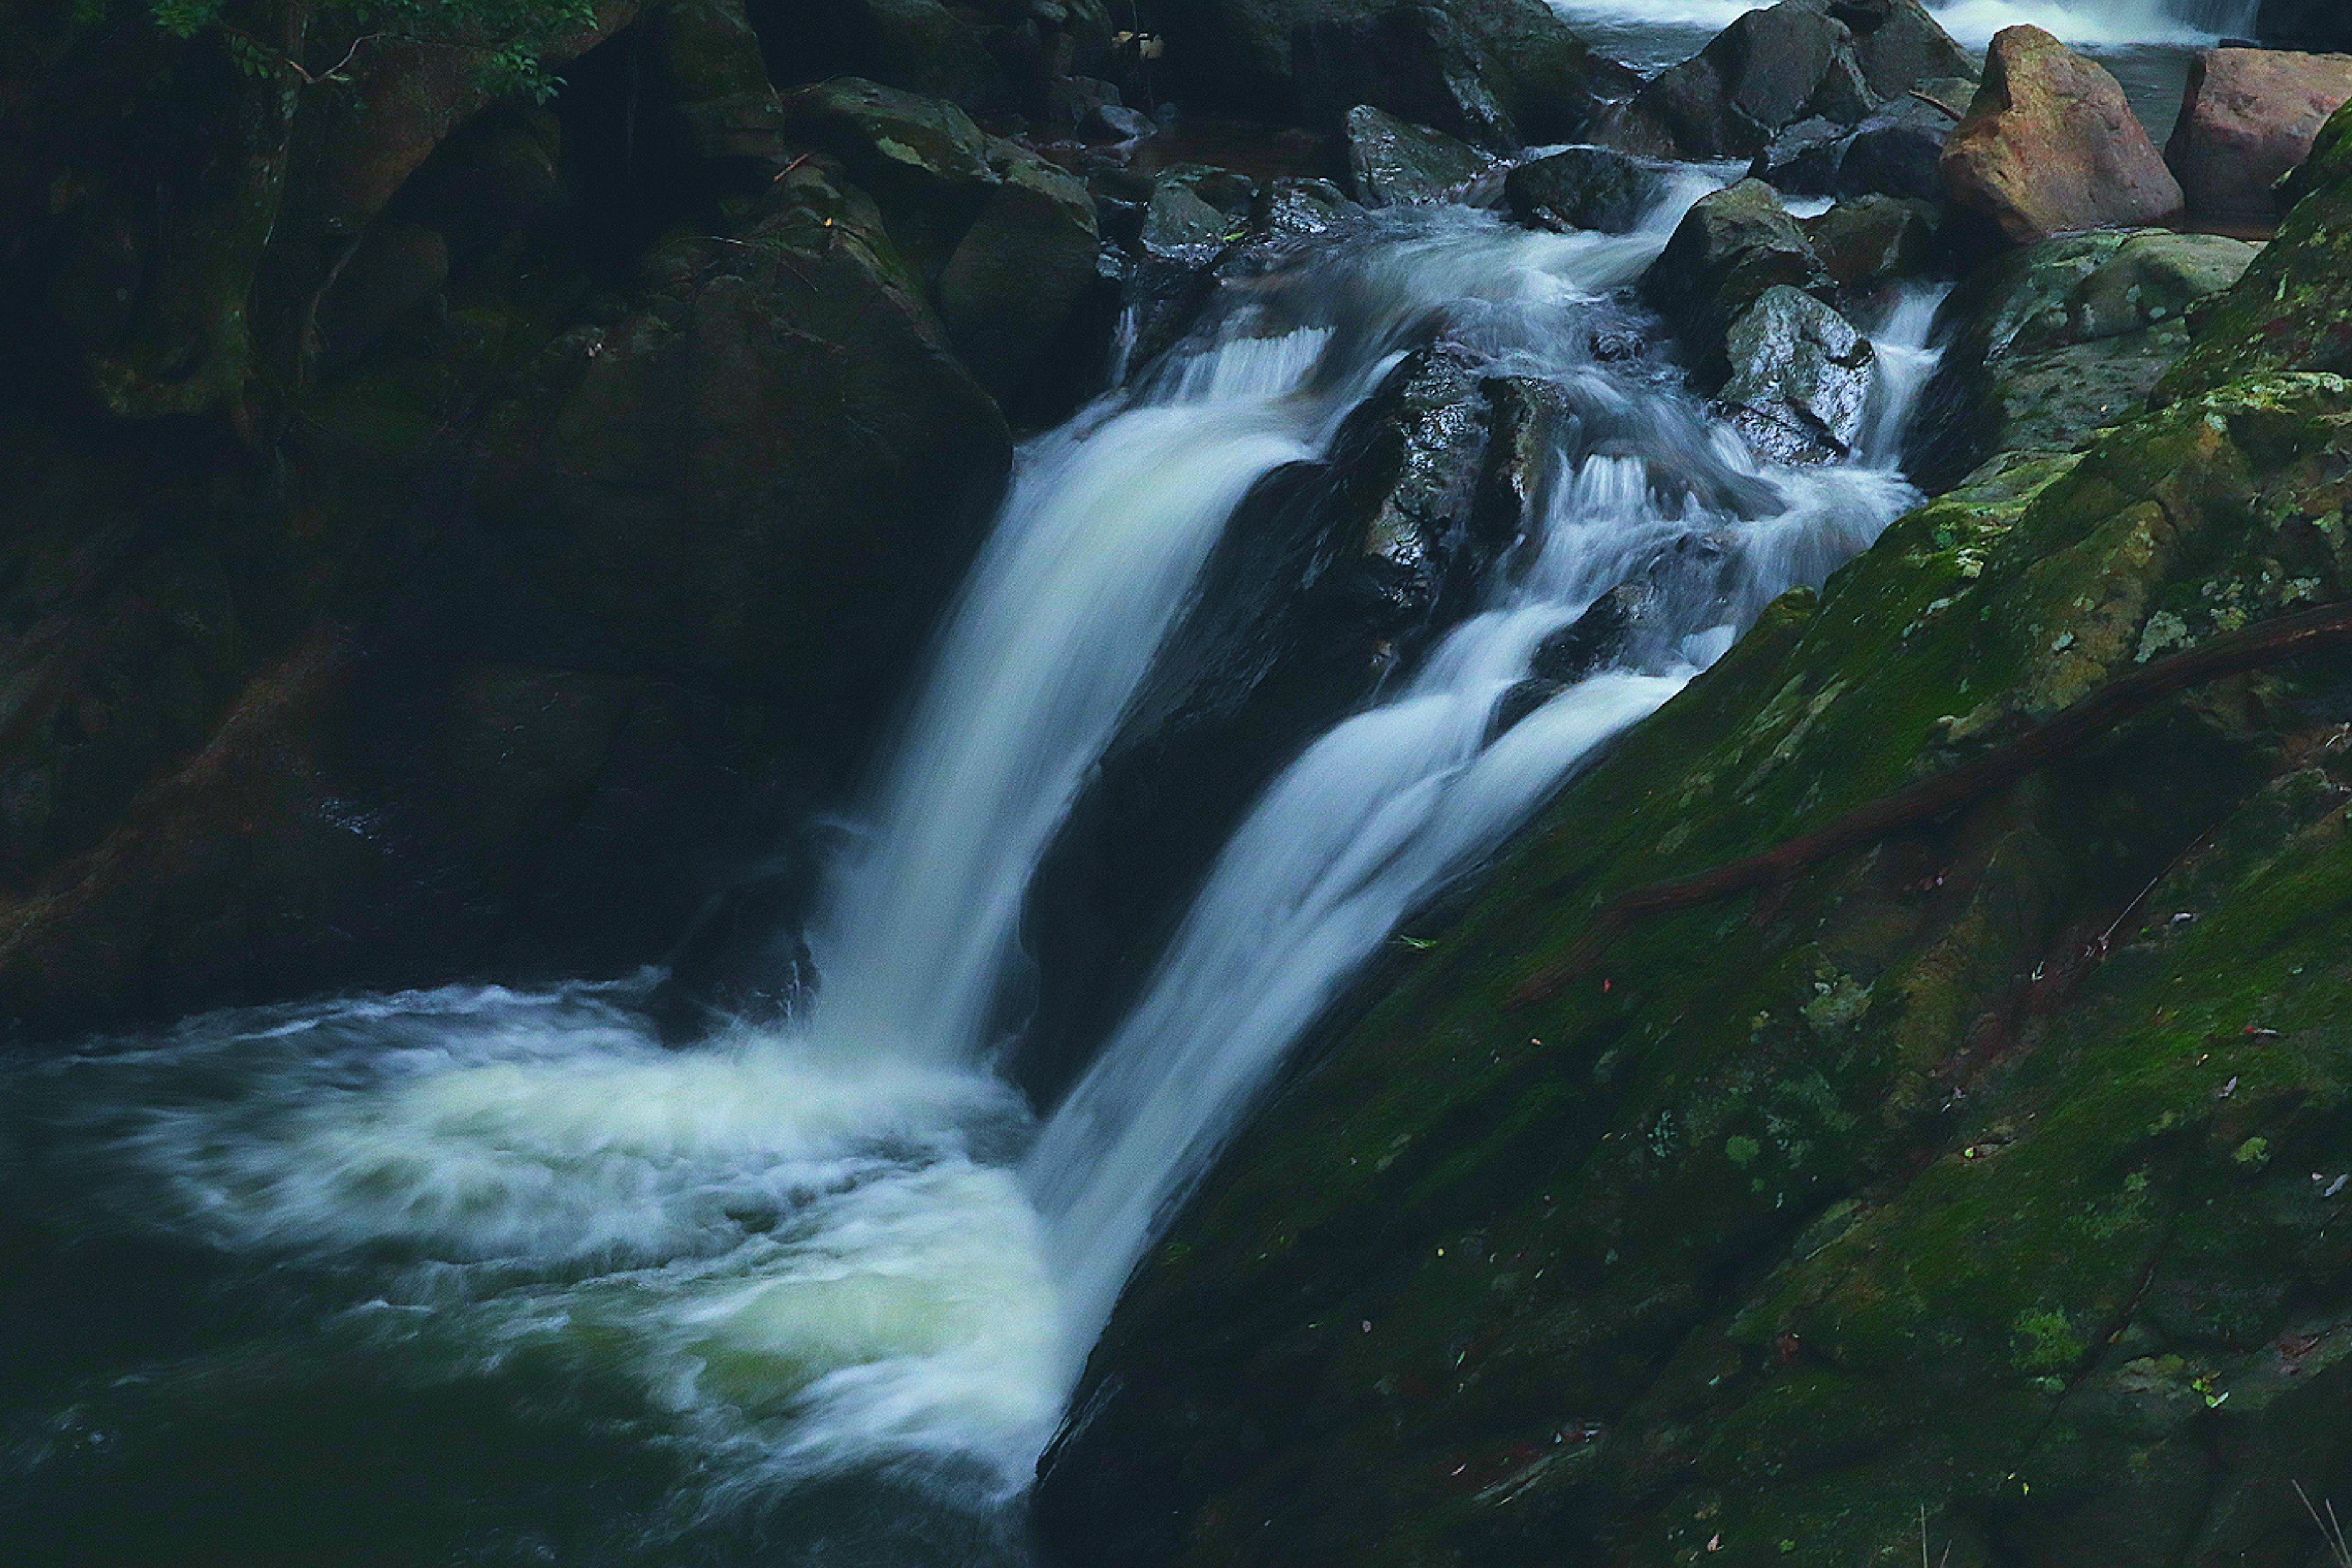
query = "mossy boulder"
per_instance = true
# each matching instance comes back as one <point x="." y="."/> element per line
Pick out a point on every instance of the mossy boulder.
<point x="1986" y="1184"/>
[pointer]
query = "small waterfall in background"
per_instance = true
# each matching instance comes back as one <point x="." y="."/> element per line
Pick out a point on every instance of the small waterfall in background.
<point x="837" y="1278"/>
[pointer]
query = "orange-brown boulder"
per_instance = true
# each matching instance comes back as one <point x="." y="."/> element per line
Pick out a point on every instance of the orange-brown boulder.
<point x="2051" y="147"/>
<point x="2248" y="119"/>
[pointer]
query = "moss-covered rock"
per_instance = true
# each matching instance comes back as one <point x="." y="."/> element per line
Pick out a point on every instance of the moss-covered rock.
<point x="1988" y="1184"/>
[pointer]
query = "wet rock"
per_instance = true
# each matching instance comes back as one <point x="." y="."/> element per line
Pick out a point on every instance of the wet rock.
<point x="1872" y="241"/>
<point x="1730" y="248"/>
<point x="2248" y="119"/>
<point x="1597" y="638"/>
<point x="1331" y="575"/>
<point x="2051" y="147"/>
<point x="1417" y="62"/>
<point x="1484" y="59"/>
<point x="1897" y="151"/>
<point x="922" y="159"/>
<point x="2052" y="342"/>
<point x="1801" y="158"/>
<point x="1293" y="208"/>
<point x="1583" y="187"/>
<point x="1391" y="162"/>
<point x="1801" y="378"/>
<point x="1768" y="69"/>
<point x="1017" y="276"/>
<point x="659" y="483"/>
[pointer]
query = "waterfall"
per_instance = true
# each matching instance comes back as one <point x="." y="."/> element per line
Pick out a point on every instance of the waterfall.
<point x="842" y="1262"/>
<point x="1655" y="33"/>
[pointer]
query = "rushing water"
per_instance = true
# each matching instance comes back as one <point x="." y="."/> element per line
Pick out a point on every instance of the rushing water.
<point x="818" y="1294"/>
<point x="487" y="1277"/>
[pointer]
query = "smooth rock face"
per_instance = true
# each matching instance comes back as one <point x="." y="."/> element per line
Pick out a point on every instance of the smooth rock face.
<point x="2248" y="119"/>
<point x="1394" y="163"/>
<point x="1730" y="249"/>
<point x="1801" y="377"/>
<point x="2051" y="147"/>
<point x="1582" y="187"/>
<point x="1417" y="62"/>
<point x="1018" y="273"/>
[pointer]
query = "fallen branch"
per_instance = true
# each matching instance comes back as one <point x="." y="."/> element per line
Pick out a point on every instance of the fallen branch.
<point x="1937" y="104"/>
<point x="2234" y="653"/>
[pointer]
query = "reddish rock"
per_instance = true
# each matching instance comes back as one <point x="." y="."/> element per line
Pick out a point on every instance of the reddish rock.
<point x="2051" y="147"/>
<point x="2247" y="121"/>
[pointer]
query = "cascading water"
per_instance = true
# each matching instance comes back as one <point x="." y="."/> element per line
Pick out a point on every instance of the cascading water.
<point x="817" y="1294"/>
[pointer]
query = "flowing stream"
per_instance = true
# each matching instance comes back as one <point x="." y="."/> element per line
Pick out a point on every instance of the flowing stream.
<point x="487" y="1276"/>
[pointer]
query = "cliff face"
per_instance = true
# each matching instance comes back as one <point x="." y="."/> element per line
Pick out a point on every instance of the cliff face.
<point x="1990" y="1181"/>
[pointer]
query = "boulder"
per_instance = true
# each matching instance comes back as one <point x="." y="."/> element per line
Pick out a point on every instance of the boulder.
<point x="1017" y="276"/>
<point x="2056" y="340"/>
<point x="2248" y="120"/>
<point x="782" y="415"/>
<point x="1872" y="241"/>
<point x="2051" y="147"/>
<point x="1728" y="249"/>
<point x="1801" y="158"/>
<point x="1583" y="187"/>
<point x="922" y="159"/>
<point x="1895" y="151"/>
<point x="917" y="46"/>
<point x="1768" y="69"/>
<point x="396" y="268"/>
<point x="1393" y="163"/>
<point x="1519" y="55"/>
<point x="719" y="81"/>
<point x="1801" y="378"/>
<point x="1901" y="44"/>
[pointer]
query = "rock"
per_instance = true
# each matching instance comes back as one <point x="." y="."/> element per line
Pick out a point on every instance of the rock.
<point x="1017" y="275"/>
<point x="1730" y="248"/>
<point x="1393" y="163"/>
<point x="2248" y="120"/>
<point x="1801" y="158"/>
<point x="719" y="81"/>
<point x="1331" y="575"/>
<point x="2056" y="340"/>
<point x="1416" y="63"/>
<point x="1583" y="187"/>
<point x="1897" y="151"/>
<point x="1291" y="209"/>
<point x="1801" y="378"/>
<point x="2289" y="311"/>
<point x="2320" y="25"/>
<point x="396" y="268"/>
<point x="1116" y="124"/>
<point x="1872" y="241"/>
<point x="782" y="416"/>
<point x="1516" y="55"/>
<point x="2051" y="147"/>
<point x="916" y="45"/>
<point x="1900" y="46"/>
<point x="922" y="159"/>
<point x="1601" y="636"/>
<point x="1768" y="69"/>
<point x="1598" y="1305"/>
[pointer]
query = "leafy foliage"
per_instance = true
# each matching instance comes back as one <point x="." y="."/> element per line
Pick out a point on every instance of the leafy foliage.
<point x="510" y="37"/>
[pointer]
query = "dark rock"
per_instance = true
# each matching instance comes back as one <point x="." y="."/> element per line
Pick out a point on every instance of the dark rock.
<point x="2248" y="120"/>
<point x="1583" y="187"/>
<point x="1516" y="55"/>
<point x="1293" y="208"/>
<point x="719" y="81"/>
<point x="922" y="159"/>
<point x="916" y="45"/>
<point x="2051" y="147"/>
<point x="2314" y="25"/>
<point x="1801" y="378"/>
<point x="1872" y="241"/>
<point x="662" y="481"/>
<point x="1898" y="152"/>
<point x="1018" y="274"/>
<point x="396" y="268"/>
<point x="1730" y="248"/>
<point x="1768" y="69"/>
<point x="1598" y="638"/>
<point x="1330" y="576"/>
<point x="1416" y="63"/>
<point x="1117" y="124"/>
<point x="1801" y="158"/>
<point x="1900" y="46"/>
<point x="1391" y="162"/>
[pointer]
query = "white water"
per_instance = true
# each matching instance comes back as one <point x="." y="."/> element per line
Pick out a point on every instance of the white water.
<point x="847" y="1249"/>
<point x="2084" y="23"/>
